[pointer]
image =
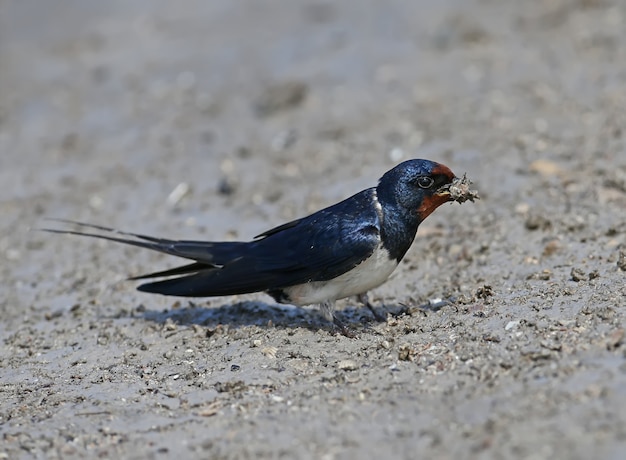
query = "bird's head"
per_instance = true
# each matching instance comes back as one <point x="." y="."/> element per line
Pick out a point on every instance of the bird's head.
<point x="416" y="188"/>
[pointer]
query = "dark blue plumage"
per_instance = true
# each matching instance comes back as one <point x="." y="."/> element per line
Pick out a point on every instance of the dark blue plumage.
<point x="316" y="248"/>
<point x="345" y="249"/>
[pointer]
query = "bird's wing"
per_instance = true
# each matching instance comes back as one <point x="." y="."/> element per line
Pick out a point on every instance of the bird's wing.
<point x="301" y="254"/>
<point x="319" y="247"/>
<point x="278" y="229"/>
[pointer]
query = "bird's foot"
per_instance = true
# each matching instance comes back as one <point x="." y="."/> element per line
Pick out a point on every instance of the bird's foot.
<point x="328" y="312"/>
<point x="344" y="330"/>
<point x="380" y="317"/>
<point x="364" y="299"/>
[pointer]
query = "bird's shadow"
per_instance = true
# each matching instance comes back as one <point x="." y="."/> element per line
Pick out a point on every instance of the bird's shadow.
<point x="262" y="314"/>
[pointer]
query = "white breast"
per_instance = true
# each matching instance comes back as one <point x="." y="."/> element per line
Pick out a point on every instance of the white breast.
<point x="370" y="273"/>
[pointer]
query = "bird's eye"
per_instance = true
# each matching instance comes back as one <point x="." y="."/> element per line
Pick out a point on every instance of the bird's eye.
<point x="425" y="181"/>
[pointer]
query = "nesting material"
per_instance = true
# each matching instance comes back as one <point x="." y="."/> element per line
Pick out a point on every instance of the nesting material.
<point x="460" y="190"/>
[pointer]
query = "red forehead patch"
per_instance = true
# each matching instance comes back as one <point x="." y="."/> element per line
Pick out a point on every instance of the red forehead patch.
<point x="443" y="170"/>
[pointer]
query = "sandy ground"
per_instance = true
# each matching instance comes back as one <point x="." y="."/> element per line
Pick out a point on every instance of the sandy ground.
<point x="218" y="120"/>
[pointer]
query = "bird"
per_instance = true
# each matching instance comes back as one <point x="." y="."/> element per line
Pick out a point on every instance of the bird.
<point x="340" y="251"/>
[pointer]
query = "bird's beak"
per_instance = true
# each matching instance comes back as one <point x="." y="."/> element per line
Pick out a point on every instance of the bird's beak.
<point x="445" y="189"/>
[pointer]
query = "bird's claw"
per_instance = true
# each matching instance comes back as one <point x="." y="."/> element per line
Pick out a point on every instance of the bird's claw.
<point x="343" y="329"/>
<point x="380" y="317"/>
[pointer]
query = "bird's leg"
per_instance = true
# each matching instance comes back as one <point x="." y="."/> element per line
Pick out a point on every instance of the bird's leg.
<point x="365" y="300"/>
<point x="343" y="329"/>
<point x="328" y="308"/>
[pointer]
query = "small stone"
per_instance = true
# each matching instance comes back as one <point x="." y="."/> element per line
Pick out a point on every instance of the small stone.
<point x="406" y="353"/>
<point x="537" y="222"/>
<point x="12" y="254"/>
<point x="179" y="192"/>
<point x="211" y="410"/>
<point x="543" y="275"/>
<point x="545" y="168"/>
<point x="578" y="275"/>
<point x="615" y="339"/>
<point x="53" y="315"/>
<point x="347" y="365"/>
<point x="282" y="96"/>
<point x="396" y="154"/>
<point x="484" y="292"/>
<point x="227" y="185"/>
<point x="270" y="352"/>
<point x="621" y="261"/>
<point x="551" y="247"/>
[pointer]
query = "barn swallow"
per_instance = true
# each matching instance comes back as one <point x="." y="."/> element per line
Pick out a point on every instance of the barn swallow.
<point x="340" y="251"/>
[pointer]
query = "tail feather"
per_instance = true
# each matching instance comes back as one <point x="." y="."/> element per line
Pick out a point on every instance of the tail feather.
<point x="209" y="283"/>
<point x="185" y="269"/>
<point x="109" y="229"/>
<point x="184" y="286"/>
<point x="142" y="244"/>
<point x="204" y="277"/>
<point x="211" y="254"/>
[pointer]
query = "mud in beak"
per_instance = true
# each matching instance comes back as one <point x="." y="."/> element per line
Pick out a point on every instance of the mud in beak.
<point x="458" y="190"/>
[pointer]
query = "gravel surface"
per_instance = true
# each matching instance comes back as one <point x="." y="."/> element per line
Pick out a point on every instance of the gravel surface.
<point x="220" y="119"/>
